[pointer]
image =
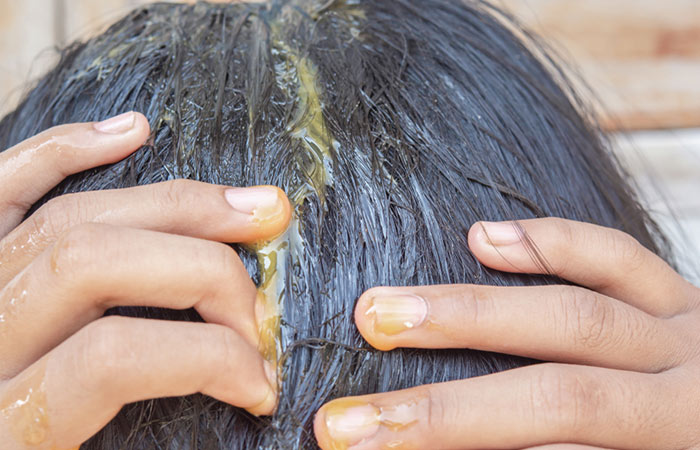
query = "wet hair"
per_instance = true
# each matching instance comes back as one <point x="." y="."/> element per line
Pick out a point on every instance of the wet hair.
<point x="392" y="125"/>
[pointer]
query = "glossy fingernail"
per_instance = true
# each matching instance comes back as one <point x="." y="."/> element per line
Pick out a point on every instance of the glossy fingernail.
<point x="500" y="233"/>
<point x="117" y="124"/>
<point x="262" y="203"/>
<point x="394" y="314"/>
<point x="350" y="422"/>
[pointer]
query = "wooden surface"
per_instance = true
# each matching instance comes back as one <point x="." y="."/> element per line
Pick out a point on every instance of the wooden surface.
<point x="642" y="57"/>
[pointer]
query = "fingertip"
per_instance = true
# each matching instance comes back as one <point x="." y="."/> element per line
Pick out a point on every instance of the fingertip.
<point x="365" y="324"/>
<point x="110" y="140"/>
<point x="141" y="126"/>
<point x="278" y="223"/>
<point x="260" y="387"/>
<point x="266" y="209"/>
<point x="499" y="245"/>
<point x="127" y="125"/>
<point x="137" y="135"/>
<point x="476" y="237"/>
<point x="368" y="322"/>
<point x="480" y="245"/>
<point x="350" y="422"/>
<point x="361" y="307"/>
<point x="266" y="407"/>
<point x="141" y="121"/>
<point x="135" y="138"/>
<point x="320" y="430"/>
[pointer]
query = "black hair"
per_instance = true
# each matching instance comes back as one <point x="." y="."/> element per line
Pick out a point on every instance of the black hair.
<point x="392" y="125"/>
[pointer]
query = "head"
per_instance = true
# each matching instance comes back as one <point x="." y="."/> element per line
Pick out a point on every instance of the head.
<point x="392" y="127"/>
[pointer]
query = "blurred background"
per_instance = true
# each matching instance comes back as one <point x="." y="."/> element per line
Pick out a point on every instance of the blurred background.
<point x="640" y="58"/>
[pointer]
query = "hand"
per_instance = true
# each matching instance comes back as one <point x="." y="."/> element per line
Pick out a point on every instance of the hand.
<point x="65" y="371"/>
<point x="626" y="348"/>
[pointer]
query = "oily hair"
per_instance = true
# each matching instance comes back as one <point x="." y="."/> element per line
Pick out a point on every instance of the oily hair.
<point x="393" y="126"/>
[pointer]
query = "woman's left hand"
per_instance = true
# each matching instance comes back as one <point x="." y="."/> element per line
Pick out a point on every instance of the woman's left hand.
<point x="626" y="348"/>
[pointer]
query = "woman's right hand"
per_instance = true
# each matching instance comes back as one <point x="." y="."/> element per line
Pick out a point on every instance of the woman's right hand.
<point x="65" y="371"/>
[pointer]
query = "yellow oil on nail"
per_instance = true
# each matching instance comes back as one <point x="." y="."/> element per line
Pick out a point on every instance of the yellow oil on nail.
<point x="335" y="410"/>
<point x="394" y="314"/>
<point x="25" y="409"/>
<point x="271" y="213"/>
<point x="394" y="418"/>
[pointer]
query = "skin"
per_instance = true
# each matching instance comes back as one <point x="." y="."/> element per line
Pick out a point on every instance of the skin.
<point x="624" y="342"/>
<point x="158" y="245"/>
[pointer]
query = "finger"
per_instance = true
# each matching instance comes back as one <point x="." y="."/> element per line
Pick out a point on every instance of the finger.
<point x="603" y="259"/>
<point x="567" y="447"/>
<point x="183" y="207"/>
<point x="81" y="385"/>
<point x="32" y="167"/>
<point x="94" y="267"/>
<point x="551" y="323"/>
<point x="530" y="406"/>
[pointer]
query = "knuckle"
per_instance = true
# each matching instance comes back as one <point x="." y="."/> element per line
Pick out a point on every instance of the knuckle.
<point x="226" y="258"/>
<point x="588" y="318"/>
<point x="101" y="352"/>
<point x="567" y="239"/>
<point x="442" y="412"/>
<point x="56" y="215"/>
<point x="15" y="206"/>
<point x="72" y="253"/>
<point x="175" y="194"/>
<point x="565" y="232"/>
<point x="625" y="248"/>
<point x="564" y="399"/>
<point x="474" y="305"/>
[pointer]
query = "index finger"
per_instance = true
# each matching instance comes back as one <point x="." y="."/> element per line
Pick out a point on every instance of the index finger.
<point x="34" y="166"/>
<point x="603" y="259"/>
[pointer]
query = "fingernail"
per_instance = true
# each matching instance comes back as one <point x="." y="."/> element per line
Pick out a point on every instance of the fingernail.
<point x="349" y="422"/>
<point x="263" y="203"/>
<point x="268" y="405"/>
<point x="117" y="124"/>
<point x="396" y="313"/>
<point x="500" y="233"/>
